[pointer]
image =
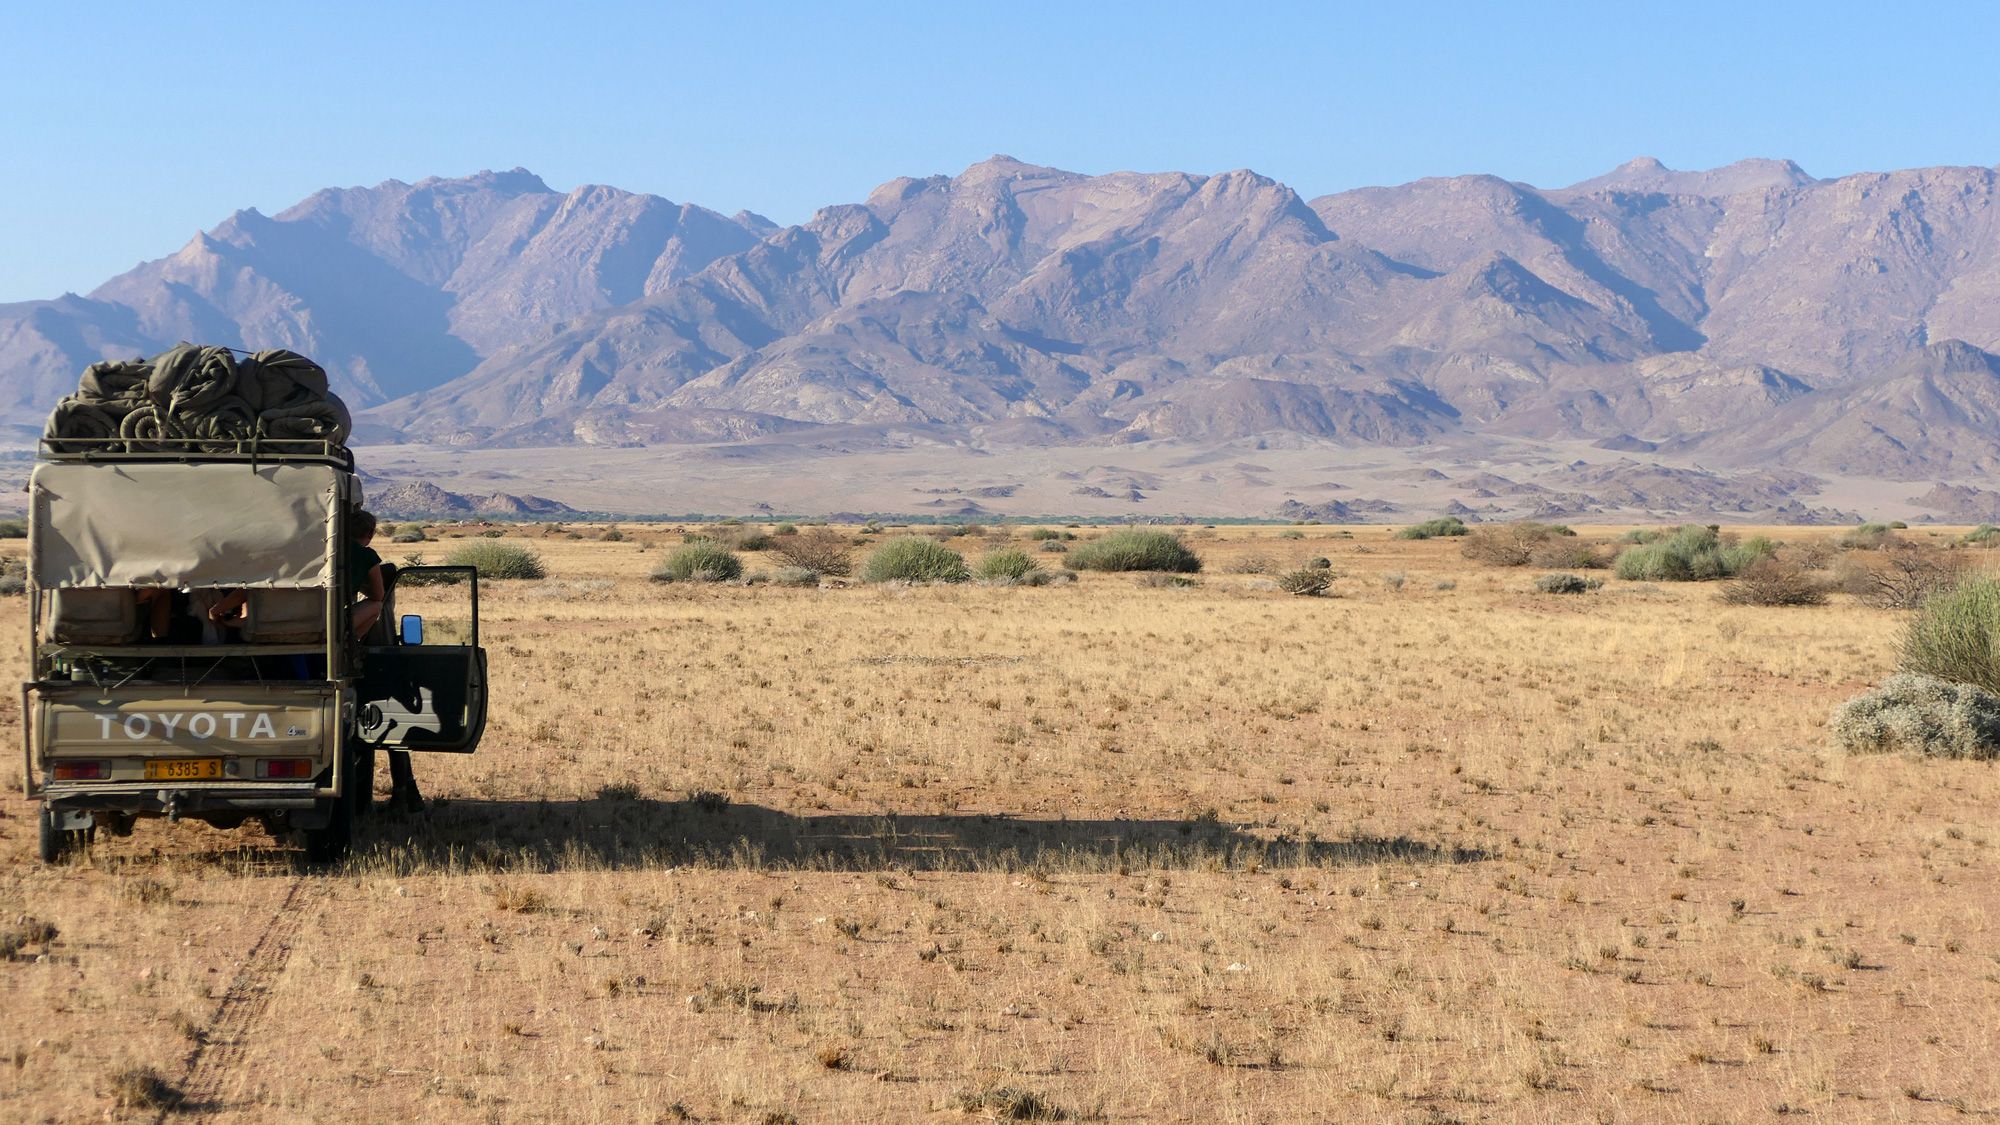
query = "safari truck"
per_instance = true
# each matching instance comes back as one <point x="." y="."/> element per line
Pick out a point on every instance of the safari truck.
<point x="278" y="720"/>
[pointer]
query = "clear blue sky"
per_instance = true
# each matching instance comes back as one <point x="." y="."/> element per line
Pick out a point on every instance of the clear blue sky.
<point x="127" y="127"/>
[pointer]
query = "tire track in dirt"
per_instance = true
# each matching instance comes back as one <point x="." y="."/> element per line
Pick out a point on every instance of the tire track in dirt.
<point x="219" y="1049"/>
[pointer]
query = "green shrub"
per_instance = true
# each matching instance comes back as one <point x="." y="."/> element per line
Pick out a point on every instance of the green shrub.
<point x="1009" y="564"/>
<point x="1046" y="533"/>
<point x="1306" y="582"/>
<point x="1047" y="577"/>
<point x="1955" y="637"/>
<point x="914" y="558"/>
<point x="498" y="560"/>
<point x="1985" y="535"/>
<point x="699" y="562"/>
<point x="785" y="529"/>
<point x="1134" y="549"/>
<point x="756" y="543"/>
<point x="13" y="529"/>
<point x="1920" y="714"/>
<point x="612" y="535"/>
<point x="1054" y="547"/>
<point x="1291" y="534"/>
<point x="410" y="534"/>
<point x="1442" y="527"/>
<point x="1691" y="554"/>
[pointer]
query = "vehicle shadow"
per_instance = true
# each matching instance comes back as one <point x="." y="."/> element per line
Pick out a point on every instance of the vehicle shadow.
<point x="616" y="832"/>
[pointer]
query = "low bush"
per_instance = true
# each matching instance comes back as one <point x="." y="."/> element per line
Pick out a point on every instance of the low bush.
<point x="1047" y="533"/>
<point x="914" y="558"/>
<point x="699" y="562"/>
<point x="1253" y="564"/>
<point x="612" y="535"/>
<point x="498" y="560"/>
<point x="1047" y="577"/>
<point x="1134" y="549"/>
<point x="1690" y="554"/>
<point x="1054" y="547"/>
<point x="1305" y="582"/>
<point x="410" y="534"/>
<point x="1919" y="714"/>
<point x="1910" y="574"/>
<point x="13" y="529"/>
<point x="1985" y="535"/>
<point x="821" y="550"/>
<point x="1956" y="635"/>
<point x="785" y="529"/>
<point x="1442" y="527"/>
<point x="794" y="576"/>
<point x="1562" y="553"/>
<point x="1293" y="533"/>
<point x="1867" y="537"/>
<point x="1566" y="584"/>
<point x="1009" y="564"/>
<point x="1510" y="544"/>
<point x="756" y="543"/>
<point x="1775" y="582"/>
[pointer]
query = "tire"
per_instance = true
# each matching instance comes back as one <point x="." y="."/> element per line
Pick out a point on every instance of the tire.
<point x="60" y="845"/>
<point x="329" y="845"/>
<point x="362" y="781"/>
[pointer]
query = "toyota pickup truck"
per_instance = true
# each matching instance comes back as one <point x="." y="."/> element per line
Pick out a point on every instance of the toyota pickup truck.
<point x="278" y="719"/>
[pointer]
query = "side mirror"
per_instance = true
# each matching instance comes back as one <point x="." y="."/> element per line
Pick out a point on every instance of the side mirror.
<point x="413" y="629"/>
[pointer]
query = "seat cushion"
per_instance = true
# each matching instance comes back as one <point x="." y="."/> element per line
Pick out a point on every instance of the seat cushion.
<point x="100" y="616"/>
<point x="293" y="617"/>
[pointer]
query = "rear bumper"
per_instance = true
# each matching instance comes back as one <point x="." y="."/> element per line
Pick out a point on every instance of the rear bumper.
<point x="169" y="801"/>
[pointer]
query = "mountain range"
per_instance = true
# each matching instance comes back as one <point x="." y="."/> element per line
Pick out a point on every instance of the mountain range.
<point x="1724" y="322"/>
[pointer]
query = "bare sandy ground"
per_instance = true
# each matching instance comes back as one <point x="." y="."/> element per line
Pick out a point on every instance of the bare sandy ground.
<point x="1435" y="849"/>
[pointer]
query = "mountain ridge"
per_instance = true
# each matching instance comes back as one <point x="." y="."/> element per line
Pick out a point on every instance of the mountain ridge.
<point x="1746" y="315"/>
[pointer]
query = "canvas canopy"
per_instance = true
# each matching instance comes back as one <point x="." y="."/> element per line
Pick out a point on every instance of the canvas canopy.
<point x="176" y="524"/>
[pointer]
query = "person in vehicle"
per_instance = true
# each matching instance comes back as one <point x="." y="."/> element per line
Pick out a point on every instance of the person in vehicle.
<point x="195" y="616"/>
<point x="364" y="572"/>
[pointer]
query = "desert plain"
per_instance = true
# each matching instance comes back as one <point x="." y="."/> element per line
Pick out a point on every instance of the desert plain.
<point x="1432" y="848"/>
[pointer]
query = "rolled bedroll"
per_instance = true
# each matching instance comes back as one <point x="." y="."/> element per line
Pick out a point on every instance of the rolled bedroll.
<point x="198" y="397"/>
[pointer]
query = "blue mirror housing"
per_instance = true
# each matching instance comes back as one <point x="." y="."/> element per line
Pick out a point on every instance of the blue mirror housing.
<point x="413" y="629"/>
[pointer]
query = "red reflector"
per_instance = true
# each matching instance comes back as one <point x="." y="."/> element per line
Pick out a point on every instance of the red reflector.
<point x="274" y="768"/>
<point x="82" y="771"/>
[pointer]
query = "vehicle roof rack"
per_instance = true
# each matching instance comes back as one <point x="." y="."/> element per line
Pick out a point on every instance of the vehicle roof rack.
<point x="248" y="450"/>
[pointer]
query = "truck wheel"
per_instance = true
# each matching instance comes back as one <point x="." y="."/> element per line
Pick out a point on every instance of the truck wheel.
<point x="59" y="844"/>
<point x="363" y="783"/>
<point x="329" y="845"/>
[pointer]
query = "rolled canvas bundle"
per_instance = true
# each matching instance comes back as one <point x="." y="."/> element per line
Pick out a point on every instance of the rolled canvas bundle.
<point x="198" y="397"/>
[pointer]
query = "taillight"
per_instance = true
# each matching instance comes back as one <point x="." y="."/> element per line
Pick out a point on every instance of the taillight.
<point x="82" y="771"/>
<point x="275" y="769"/>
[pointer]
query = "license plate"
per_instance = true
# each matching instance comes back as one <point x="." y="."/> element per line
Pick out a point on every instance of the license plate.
<point x="184" y="769"/>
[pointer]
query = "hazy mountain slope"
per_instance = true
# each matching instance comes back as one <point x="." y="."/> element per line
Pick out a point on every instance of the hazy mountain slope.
<point x="1936" y="414"/>
<point x="395" y="288"/>
<point x="1744" y="315"/>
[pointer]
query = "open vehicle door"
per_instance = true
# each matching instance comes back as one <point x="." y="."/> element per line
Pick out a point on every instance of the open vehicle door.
<point x="423" y="678"/>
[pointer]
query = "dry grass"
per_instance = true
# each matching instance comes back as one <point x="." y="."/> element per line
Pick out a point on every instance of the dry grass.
<point x="1439" y="849"/>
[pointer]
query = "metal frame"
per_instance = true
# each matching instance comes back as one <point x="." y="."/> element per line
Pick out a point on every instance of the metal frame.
<point x="254" y="450"/>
